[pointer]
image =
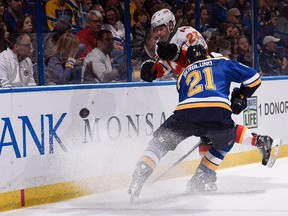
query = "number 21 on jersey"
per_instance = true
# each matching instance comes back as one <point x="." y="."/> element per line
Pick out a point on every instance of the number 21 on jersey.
<point x="198" y="83"/>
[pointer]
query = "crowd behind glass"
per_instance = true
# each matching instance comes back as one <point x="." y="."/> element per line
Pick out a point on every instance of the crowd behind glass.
<point x="84" y="41"/>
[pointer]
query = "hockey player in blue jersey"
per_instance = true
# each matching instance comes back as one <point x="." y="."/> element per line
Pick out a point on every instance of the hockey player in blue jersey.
<point x="173" y="57"/>
<point x="204" y="109"/>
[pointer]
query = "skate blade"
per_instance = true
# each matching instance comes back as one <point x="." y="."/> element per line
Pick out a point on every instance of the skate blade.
<point x="132" y="198"/>
<point x="132" y="194"/>
<point x="276" y="145"/>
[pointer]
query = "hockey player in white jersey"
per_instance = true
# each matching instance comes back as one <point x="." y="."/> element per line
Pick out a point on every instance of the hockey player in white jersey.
<point x="171" y="53"/>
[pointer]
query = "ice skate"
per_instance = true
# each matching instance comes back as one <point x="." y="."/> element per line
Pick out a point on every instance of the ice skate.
<point x="140" y="175"/>
<point x="264" y="144"/>
<point x="203" y="180"/>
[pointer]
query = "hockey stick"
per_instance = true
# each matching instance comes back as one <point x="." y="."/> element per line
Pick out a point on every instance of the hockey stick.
<point x="176" y="163"/>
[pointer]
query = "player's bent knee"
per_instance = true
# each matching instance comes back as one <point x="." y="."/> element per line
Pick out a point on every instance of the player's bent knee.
<point x="223" y="139"/>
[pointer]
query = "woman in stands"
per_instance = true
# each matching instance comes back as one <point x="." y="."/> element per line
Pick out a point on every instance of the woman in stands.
<point x="61" y="63"/>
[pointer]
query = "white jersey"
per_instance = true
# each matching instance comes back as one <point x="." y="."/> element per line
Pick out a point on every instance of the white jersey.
<point x="184" y="37"/>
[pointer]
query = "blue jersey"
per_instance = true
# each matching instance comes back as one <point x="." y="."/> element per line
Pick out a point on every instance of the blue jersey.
<point x="204" y="88"/>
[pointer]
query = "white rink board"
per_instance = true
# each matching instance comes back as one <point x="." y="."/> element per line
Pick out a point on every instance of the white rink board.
<point x="45" y="141"/>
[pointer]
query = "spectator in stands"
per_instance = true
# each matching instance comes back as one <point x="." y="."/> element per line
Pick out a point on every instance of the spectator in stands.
<point x="272" y="24"/>
<point x="224" y="47"/>
<point x="150" y="40"/>
<point x="12" y="14"/>
<point x="4" y="35"/>
<point x="219" y="13"/>
<point x="59" y="13"/>
<point x="282" y="27"/>
<point x="265" y="11"/>
<point x="228" y="29"/>
<point x="97" y="67"/>
<point x="79" y="15"/>
<point x="118" y="4"/>
<point x="243" y="6"/>
<point x="269" y="64"/>
<point x="245" y="55"/>
<point x="234" y="16"/>
<point x="269" y="28"/>
<point x="245" y="9"/>
<point x="204" y="20"/>
<point x="24" y="24"/>
<point x="16" y="68"/>
<point x="51" y="39"/>
<point x="152" y="7"/>
<point x="267" y="21"/>
<point x="147" y="52"/>
<point x="87" y="35"/>
<point x="282" y="3"/>
<point x="244" y="30"/>
<point x="2" y="10"/>
<point x="116" y="27"/>
<point x="30" y="7"/>
<point x="177" y="11"/>
<point x="113" y="24"/>
<point x="87" y="5"/>
<point x="139" y="30"/>
<point x="60" y="65"/>
<point x="99" y="8"/>
<point x="263" y="14"/>
<point x="134" y="4"/>
<point x="212" y="43"/>
<point x="234" y="47"/>
<point x="273" y="7"/>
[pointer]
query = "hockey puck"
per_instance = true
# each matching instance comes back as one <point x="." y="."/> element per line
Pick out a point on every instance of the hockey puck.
<point x="84" y="113"/>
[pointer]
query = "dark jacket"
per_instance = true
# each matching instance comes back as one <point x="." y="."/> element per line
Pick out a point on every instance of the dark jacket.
<point x="268" y="63"/>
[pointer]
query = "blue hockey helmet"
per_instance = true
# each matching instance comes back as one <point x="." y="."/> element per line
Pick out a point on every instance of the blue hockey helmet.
<point x="195" y="53"/>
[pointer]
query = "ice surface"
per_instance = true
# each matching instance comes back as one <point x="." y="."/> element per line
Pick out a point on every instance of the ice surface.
<point x="245" y="191"/>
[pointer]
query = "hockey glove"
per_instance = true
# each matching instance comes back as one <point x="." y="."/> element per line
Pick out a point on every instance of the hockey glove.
<point x="238" y="102"/>
<point x="168" y="51"/>
<point x="147" y="74"/>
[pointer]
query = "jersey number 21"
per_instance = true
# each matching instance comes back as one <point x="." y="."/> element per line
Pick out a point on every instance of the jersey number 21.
<point x="194" y="80"/>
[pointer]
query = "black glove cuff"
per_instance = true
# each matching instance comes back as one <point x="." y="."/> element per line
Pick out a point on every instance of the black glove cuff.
<point x="177" y="53"/>
<point x="146" y="61"/>
<point x="146" y="71"/>
<point x="238" y="101"/>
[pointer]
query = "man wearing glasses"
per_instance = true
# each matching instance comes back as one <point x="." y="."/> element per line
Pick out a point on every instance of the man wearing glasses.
<point x="87" y="35"/>
<point x="16" y="69"/>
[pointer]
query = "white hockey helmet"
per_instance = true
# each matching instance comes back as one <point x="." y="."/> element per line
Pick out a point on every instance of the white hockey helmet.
<point x="162" y="17"/>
